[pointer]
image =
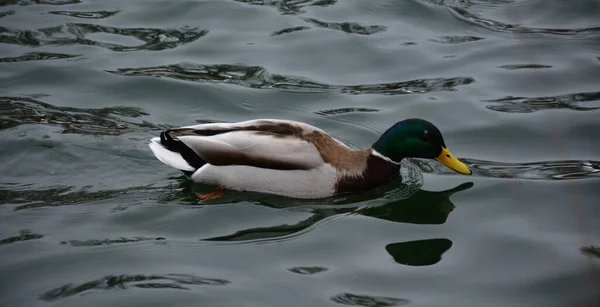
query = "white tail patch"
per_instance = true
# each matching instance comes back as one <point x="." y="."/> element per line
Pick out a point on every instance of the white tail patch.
<point x="168" y="157"/>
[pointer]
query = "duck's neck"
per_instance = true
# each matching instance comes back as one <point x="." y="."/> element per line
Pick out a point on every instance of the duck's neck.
<point x="378" y="170"/>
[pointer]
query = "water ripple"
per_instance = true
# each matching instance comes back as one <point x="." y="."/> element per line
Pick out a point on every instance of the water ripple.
<point x="15" y="111"/>
<point x="307" y="270"/>
<point x="7" y="13"/>
<point x="30" y="2"/>
<point x="63" y="196"/>
<point x="591" y="251"/>
<point x="532" y="104"/>
<point x="289" y="30"/>
<point x="38" y="56"/>
<point x="258" y="77"/>
<point x="86" y="15"/>
<point x="548" y="170"/>
<point x="57" y="2"/>
<point x="76" y="34"/>
<point x="122" y="282"/>
<point x="368" y="300"/>
<point x="121" y="240"/>
<point x="24" y="235"/>
<point x="456" y="39"/>
<point x="47" y="2"/>
<point x="464" y="9"/>
<point x="418" y="86"/>
<point x="345" y="110"/>
<point x="287" y="7"/>
<point x="348" y="27"/>
<point x="279" y="232"/>
<point x="524" y="66"/>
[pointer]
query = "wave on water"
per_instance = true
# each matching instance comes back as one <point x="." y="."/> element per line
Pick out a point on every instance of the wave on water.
<point x="47" y="2"/>
<point x="307" y="270"/>
<point x="123" y="282"/>
<point x="122" y="240"/>
<point x="289" y="30"/>
<point x="456" y="39"/>
<point x="25" y="199"/>
<point x="524" y="66"/>
<point x="24" y="235"/>
<point x="467" y="11"/>
<point x="351" y="299"/>
<point x="38" y="56"/>
<point x="575" y="102"/>
<point x="338" y="111"/>
<point x="259" y="77"/>
<point x="348" y="27"/>
<point x="592" y="251"/>
<point x="6" y="13"/>
<point x="86" y="15"/>
<point x="16" y="111"/>
<point x="290" y="7"/>
<point x="78" y="34"/>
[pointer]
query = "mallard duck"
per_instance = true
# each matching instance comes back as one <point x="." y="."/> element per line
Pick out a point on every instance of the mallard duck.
<point x="295" y="159"/>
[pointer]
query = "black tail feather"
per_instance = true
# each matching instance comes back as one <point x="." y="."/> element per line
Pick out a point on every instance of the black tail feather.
<point x="187" y="173"/>
<point x="188" y="154"/>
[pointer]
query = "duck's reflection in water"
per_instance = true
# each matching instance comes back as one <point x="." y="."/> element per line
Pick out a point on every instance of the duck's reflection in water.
<point x="420" y="252"/>
<point x="422" y="207"/>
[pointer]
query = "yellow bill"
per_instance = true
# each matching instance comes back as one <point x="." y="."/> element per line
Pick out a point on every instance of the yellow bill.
<point x="448" y="159"/>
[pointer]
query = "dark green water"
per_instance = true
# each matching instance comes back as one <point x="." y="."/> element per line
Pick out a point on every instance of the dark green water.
<point x="88" y="217"/>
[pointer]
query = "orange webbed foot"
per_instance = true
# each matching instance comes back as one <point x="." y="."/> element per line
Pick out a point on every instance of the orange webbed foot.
<point x="214" y="195"/>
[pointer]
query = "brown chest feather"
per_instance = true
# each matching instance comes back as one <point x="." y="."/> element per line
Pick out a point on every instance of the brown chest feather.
<point x="376" y="173"/>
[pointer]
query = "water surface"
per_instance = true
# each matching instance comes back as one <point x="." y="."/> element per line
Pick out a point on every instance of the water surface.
<point x="89" y="217"/>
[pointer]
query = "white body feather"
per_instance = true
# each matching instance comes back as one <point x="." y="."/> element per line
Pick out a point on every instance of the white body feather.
<point x="314" y="183"/>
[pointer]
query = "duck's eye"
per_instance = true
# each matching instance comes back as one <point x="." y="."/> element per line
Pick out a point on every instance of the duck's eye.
<point x="425" y="136"/>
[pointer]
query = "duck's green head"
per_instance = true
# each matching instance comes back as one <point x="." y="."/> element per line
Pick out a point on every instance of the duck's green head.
<point x="417" y="138"/>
